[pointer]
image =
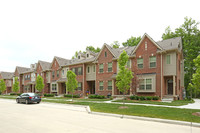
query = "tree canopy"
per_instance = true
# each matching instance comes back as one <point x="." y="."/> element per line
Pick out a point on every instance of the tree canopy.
<point x="39" y="83"/>
<point x="2" y="86"/>
<point x="191" y="44"/>
<point x="71" y="83"/>
<point x="124" y="76"/>
<point x="133" y="41"/>
<point x="16" y="85"/>
<point x="115" y="44"/>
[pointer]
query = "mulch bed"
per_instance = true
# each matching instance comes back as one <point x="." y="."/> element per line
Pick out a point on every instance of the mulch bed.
<point x="196" y="113"/>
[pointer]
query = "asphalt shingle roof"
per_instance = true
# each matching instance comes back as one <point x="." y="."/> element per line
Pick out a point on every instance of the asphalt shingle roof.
<point x="45" y="65"/>
<point x="7" y="75"/>
<point x="22" y="69"/>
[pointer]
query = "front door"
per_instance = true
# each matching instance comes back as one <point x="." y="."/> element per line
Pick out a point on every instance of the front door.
<point x="170" y="86"/>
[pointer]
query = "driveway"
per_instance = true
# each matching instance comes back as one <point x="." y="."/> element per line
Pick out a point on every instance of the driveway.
<point x="59" y="118"/>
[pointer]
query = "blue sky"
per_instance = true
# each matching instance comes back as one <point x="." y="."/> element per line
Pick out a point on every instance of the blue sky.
<point x="41" y="29"/>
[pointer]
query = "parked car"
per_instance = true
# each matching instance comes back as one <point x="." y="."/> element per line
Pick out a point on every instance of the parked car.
<point x="28" y="98"/>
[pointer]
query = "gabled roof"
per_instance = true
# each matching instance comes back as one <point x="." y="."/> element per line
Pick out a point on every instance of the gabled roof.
<point x="7" y="75"/>
<point x="45" y="65"/>
<point x="22" y="69"/>
<point x="143" y="37"/>
<point x="172" y="43"/>
<point x="109" y="48"/>
<point x="61" y="61"/>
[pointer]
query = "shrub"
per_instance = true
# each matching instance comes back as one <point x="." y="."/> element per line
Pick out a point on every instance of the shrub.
<point x="134" y="97"/>
<point x="142" y="98"/>
<point x="155" y="98"/>
<point x="49" y="95"/>
<point x="13" y="94"/>
<point x="96" y="96"/>
<point x="19" y="94"/>
<point x="149" y="98"/>
<point x="70" y="96"/>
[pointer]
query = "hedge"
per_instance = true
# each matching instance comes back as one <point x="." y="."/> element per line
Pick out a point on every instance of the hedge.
<point x="96" y="96"/>
<point x="70" y="96"/>
<point x="49" y="95"/>
<point x="135" y="97"/>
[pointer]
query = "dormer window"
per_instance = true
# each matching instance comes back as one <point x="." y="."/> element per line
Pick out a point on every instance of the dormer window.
<point x="105" y="54"/>
<point x="79" y="57"/>
<point x="87" y="55"/>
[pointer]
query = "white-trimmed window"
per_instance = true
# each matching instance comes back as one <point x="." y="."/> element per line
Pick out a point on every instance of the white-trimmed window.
<point x="110" y="67"/>
<point x="100" y="85"/>
<point x="101" y="68"/>
<point x="79" y="86"/>
<point x="145" y="84"/>
<point x="80" y="71"/>
<point x="88" y="69"/>
<point x="128" y="64"/>
<point x="110" y="85"/>
<point x="63" y="72"/>
<point x="94" y="68"/>
<point x="140" y="63"/>
<point x="152" y="61"/>
<point x="54" y="87"/>
<point x="57" y="73"/>
<point x="168" y="59"/>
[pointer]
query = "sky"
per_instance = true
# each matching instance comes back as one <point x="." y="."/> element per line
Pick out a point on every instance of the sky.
<point x="41" y="29"/>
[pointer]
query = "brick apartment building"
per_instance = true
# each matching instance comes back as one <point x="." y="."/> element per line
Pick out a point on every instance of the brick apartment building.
<point x="8" y="79"/>
<point x="158" y="70"/>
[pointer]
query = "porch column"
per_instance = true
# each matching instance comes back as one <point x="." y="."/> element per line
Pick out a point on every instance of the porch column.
<point x="113" y="88"/>
<point x="174" y="86"/>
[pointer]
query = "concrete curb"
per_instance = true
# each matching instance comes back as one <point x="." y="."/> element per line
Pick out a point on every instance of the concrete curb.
<point x="183" y="123"/>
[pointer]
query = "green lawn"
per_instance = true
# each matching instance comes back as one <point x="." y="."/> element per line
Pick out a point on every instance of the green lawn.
<point x="135" y="110"/>
<point x="173" y="103"/>
<point x="140" y="110"/>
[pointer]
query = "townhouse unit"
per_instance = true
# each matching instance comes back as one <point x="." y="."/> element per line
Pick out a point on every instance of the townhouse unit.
<point x="157" y="67"/>
<point x="19" y="74"/>
<point x="7" y="77"/>
<point x="44" y="69"/>
<point x="158" y="70"/>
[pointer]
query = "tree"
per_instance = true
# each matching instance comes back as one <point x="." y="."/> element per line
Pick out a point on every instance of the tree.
<point x="115" y="44"/>
<point x="16" y="85"/>
<point x="39" y="83"/>
<point x="133" y="41"/>
<point x="123" y="78"/>
<point x="2" y="86"/>
<point x="191" y="45"/>
<point x="196" y="78"/>
<point x="71" y="83"/>
<point x="91" y="48"/>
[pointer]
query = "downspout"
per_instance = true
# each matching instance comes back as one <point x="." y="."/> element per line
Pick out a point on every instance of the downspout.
<point x="161" y="77"/>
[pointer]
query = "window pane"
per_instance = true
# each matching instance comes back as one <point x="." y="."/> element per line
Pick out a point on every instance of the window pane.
<point x="110" y="67"/>
<point x="148" y="87"/>
<point x="128" y="64"/>
<point x="140" y="61"/>
<point x="141" y="87"/>
<point x="152" y="59"/>
<point x="148" y="81"/>
<point x="153" y="64"/>
<point x="94" y="69"/>
<point x="109" y="83"/>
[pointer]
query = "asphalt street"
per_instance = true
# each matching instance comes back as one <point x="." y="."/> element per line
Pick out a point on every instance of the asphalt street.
<point x="59" y="118"/>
